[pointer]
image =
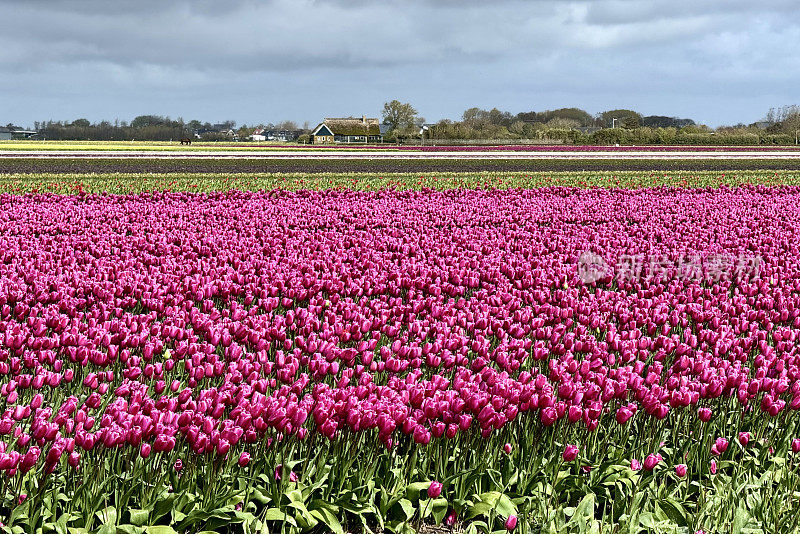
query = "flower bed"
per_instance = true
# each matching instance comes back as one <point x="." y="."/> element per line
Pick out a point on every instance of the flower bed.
<point x="346" y="359"/>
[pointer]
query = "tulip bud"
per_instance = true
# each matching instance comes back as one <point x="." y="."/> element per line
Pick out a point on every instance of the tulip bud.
<point x="570" y="453"/>
<point x="244" y="459"/>
<point x="511" y="523"/>
<point x="744" y="438"/>
<point x="623" y="415"/>
<point x="680" y="470"/>
<point x="434" y="490"/>
<point x="652" y="461"/>
<point x="450" y="520"/>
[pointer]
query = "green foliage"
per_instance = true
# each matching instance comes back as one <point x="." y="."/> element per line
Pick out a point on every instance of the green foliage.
<point x="399" y="115"/>
<point x="581" y="117"/>
<point x="624" y="117"/>
<point x="689" y="136"/>
<point x="753" y="488"/>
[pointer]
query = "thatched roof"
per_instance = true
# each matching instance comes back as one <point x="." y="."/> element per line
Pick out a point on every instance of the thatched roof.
<point x="354" y="126"/>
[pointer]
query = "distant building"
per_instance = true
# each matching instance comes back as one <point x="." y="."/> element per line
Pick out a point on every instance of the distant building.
<point x="423" y="130"/>
<point x="348" y="130"/>
<point x="262" y="134"/>
<point x="204" y="131"/>
<point x="230" y="133"/>
<point x="7" y="134"/>
<point x="216" y="133"/>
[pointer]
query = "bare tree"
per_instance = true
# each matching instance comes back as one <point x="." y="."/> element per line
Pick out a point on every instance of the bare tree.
<point x="286" y="125"/>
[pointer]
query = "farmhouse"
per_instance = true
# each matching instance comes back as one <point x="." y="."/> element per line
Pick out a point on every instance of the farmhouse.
<point x="348" y="130"/>
<point x="262" y="134"/>
<point x="259" y="134"/>
<point x="6" y="134"/>
<point x="216" y="131"/>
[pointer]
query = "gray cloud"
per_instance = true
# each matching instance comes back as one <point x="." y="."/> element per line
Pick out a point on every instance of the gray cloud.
<point x="716" y="61"/>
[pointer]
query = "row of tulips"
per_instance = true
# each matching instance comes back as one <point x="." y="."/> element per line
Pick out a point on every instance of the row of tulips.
<point x="387" y="358"/>
<point x="165" y="147"/>
<point x="60" y="177"/>
<point x="402" y="163"/>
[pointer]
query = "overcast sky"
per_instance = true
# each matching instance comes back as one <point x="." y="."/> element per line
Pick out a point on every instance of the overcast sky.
<point x="718" y="62"/>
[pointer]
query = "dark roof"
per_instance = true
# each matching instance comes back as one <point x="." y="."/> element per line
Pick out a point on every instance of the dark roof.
<point x="323" y="129"/>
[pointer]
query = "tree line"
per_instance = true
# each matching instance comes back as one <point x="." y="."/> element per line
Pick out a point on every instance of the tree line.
<point x="779" y="126"/>
<point x="150" y="128"/>
<point x="577" y="126"/>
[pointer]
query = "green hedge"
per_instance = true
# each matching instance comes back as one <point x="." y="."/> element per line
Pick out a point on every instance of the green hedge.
<point x="669" y="136"/>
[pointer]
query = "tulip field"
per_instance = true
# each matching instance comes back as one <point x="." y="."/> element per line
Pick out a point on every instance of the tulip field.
<point x="586" y="352"/>
<point x="200" y="182"/>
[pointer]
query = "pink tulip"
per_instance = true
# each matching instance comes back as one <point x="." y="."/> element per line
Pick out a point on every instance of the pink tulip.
<point x="570" y="453"/>
<point x="680" y="470"/>
<point x="651" y="461"/>
<point x="623" y="415"/>
<point x="511" y="523"/>
<point x="262" y="319"/>
<point x="744" y="438"/>
<point x="434" y="490"/>
<point x="704" y="414"/>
